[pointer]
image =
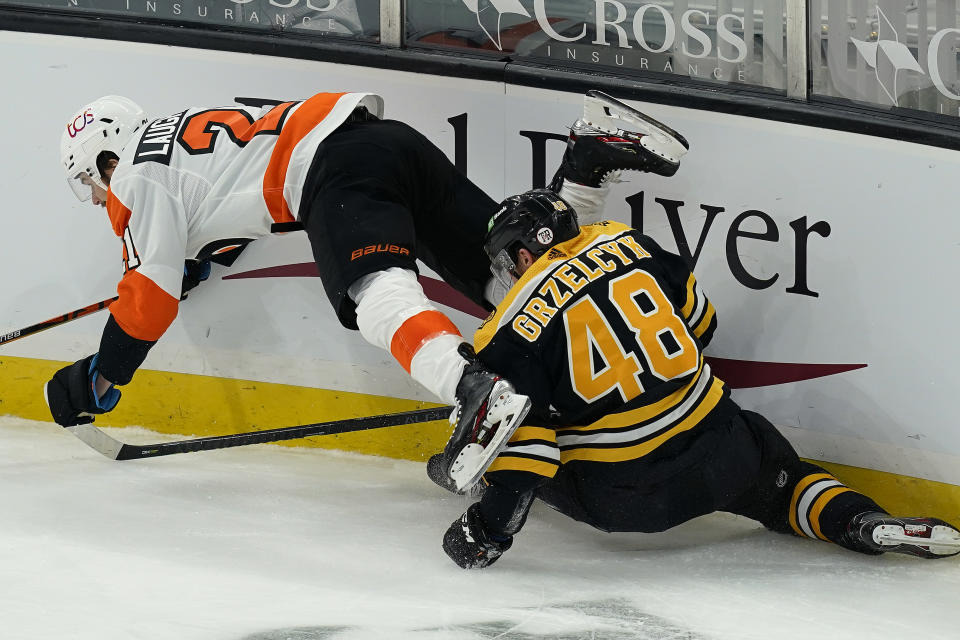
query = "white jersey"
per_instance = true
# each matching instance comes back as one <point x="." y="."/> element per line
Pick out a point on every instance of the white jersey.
<point x="205" y="180"/>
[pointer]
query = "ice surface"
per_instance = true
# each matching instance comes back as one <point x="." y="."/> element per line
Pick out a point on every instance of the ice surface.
<point x="273" y="543"/>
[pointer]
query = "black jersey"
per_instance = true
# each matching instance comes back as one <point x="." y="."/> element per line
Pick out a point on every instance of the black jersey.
<point x="605" y="333"/>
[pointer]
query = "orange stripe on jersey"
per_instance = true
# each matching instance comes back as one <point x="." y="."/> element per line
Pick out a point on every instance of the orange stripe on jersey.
<point x="416" y="331"/>
<point x="119" y="214"/>
<point x="298" y="125"/>
<point x="143" y="310"/>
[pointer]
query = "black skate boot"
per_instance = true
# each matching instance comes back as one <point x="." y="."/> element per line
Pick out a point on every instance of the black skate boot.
<point x="922" y="537"/>
<point x="612" y="137"/>
<point x="488" y="411"/>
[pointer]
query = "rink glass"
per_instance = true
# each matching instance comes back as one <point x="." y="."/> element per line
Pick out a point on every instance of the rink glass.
<point x="739" y="42"/>
<point x="354" y="19"/>
<point x="891" y="55"/>
<point x="887" y="53"/>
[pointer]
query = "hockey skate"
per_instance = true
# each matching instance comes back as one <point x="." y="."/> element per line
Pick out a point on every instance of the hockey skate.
<point x="437" y="471"/>
<point x="488" y="410"/>
<point x="921" y="537"/>
<point x="612" y="137"/>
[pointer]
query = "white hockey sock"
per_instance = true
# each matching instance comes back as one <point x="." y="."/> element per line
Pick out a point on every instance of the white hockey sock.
<point x="438" y="366"/>
<point x="587" y="201"/>
<point x="394" y="314"/>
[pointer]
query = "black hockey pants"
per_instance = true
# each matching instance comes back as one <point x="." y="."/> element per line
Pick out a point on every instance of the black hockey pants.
<point x="742" y="465"/>
<point x="379" y="195"/>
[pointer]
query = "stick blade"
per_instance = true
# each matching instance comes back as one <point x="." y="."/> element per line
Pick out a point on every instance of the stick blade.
<point x="98" y="440"/>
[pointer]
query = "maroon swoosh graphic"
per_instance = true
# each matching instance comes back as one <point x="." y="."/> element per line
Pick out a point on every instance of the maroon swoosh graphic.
<point x="744" y="374"/>
<point x="738" y="374"/>
<point x="436" y="290"/>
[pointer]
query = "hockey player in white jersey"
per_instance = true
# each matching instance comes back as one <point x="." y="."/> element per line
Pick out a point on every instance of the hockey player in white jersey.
<point x="373" y="195"/>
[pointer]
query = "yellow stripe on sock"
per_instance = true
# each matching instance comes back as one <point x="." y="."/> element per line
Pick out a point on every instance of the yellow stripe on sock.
<point x="805" y="482"/>
<point x="818" y="505"/>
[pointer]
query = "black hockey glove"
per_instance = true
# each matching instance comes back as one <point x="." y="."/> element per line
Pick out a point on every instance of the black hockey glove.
<point x="194" y="272"/>
<point x="72" y="397"/>
<point x="470" y="545"/>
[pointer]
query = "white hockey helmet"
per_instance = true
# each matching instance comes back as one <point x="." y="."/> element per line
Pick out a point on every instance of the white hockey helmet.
<point x="106" y="124"/>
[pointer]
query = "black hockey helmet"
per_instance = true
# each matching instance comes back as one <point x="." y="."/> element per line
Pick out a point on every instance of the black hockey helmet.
<point x="535" y="221"/>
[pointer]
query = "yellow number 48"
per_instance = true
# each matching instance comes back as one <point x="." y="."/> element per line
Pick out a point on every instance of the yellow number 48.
<point x="597" y="360"/>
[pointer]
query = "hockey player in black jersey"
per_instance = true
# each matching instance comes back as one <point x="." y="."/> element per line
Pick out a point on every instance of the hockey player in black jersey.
<point x="630" y="430"/>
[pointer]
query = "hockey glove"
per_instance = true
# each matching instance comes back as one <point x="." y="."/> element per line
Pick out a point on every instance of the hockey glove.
<point x="71" y="394"/>
<point x="470" y="545"/>
<point x="194" y="272"/>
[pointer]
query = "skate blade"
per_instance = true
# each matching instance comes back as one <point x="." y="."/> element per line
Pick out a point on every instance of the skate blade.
<point x="612" y="116"/>
<point x="509" y="410"/>
<point x="943" y="541"/>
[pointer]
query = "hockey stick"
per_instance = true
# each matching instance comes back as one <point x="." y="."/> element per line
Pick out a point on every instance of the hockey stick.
<point x="116" y="450"/>
<point x="54" y="322"/>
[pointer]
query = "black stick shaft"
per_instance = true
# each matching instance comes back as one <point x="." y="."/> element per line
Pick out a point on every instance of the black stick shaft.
<point x="133" y="452"/>
<point x="54" y="322"/>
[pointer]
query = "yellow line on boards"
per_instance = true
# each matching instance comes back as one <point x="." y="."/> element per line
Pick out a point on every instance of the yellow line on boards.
<point x="901" y="495"/>
<point x="194" y="405"/>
